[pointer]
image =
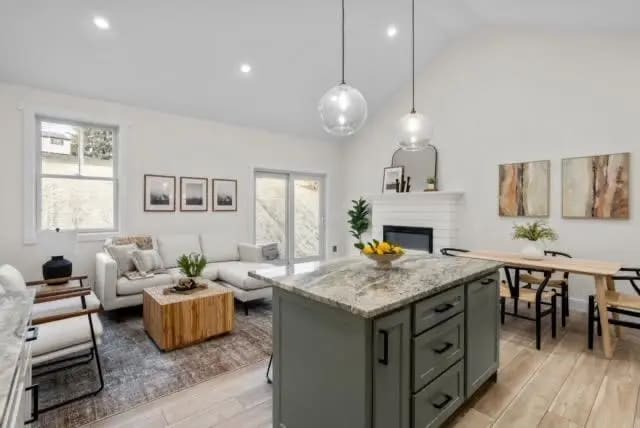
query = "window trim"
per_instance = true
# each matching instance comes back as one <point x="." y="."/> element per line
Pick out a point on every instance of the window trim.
<point x="31" y="146"/>
<point x="40" y="175"/>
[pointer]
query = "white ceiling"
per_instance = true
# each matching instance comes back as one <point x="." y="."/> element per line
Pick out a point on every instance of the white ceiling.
<point x="184" y="56"/>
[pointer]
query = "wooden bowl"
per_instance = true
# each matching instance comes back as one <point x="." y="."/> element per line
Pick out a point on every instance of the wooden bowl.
<point x="384" y="261"/>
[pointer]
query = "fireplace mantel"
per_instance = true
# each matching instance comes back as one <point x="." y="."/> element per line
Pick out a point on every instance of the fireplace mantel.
<point x="437" y="210"/>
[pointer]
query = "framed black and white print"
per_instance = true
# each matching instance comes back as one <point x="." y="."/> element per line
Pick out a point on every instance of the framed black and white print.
<point x="391" y="174"/>
<point x="159" y="193"/>
<point x="224" y="195"/>
<point x="194" y="194"/>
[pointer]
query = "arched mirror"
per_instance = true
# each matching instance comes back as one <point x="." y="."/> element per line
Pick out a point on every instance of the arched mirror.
<point x="420" y="166"/>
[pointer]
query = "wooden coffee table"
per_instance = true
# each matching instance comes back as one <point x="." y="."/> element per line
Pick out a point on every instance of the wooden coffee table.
<point x="178" y="320"/>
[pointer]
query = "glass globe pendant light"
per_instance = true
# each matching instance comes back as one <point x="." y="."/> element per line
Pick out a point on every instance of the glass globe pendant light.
<point x="414" y="129"/>
<point x="343" y="109"/>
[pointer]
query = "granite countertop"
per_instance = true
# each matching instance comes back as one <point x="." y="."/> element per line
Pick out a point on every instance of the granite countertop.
<point x="355" y="285"/>
<point x="15" y="313"/>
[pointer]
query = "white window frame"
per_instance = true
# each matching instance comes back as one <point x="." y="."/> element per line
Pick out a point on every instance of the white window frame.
<point x="32" y="115"/>
<point x="290" y="226"/>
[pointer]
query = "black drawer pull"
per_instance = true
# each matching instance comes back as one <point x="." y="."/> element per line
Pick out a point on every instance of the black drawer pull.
<point x="487" y="281"/>
<point x="35" y="410"/>
<point x="443" y="348"/>
<point x="446" y="398"/>
<point x="34" y="333"/>
<point x="444" y="307"/>
<point x="385" y="348"/>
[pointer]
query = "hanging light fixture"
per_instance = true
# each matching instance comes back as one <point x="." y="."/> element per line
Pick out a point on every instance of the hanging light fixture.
<point x="343" y="109"/>
<point x="414" y="129"/>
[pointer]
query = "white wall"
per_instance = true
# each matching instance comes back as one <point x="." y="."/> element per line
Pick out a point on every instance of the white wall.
<point x="507" y="95"/>
<point x="158" y="143"/>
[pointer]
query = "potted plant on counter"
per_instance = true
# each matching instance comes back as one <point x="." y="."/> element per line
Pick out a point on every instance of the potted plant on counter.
<point x="535" y="234"/>
<point x="359" y="221"/>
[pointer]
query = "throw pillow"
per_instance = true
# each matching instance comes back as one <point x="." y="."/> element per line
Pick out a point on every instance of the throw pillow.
<point x="122" y="255"/>
<point x="147" y="260"/>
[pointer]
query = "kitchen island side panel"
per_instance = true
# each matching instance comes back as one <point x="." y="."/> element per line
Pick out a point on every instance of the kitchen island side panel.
<point x="322" y="365"/>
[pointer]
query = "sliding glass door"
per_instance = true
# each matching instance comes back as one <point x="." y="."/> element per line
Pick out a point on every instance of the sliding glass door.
<point x="289" y="210"/>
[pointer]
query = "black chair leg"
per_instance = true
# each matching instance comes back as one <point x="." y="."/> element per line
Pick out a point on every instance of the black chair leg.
<point x="565" y="305"/>
<point x="590" y="315"/>
<point x="502" y="309"/>
<point x="553" y="316"/>
<point x="538" y="323"/>
<point x="246" y="308"/>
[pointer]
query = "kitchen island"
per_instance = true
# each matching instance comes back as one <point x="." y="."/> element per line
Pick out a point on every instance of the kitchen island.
<point x="355" y="346"/>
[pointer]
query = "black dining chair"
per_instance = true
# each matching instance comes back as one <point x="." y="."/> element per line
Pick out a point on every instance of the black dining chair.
<point x="617" y="304"/>
<point x="452" y="251"/>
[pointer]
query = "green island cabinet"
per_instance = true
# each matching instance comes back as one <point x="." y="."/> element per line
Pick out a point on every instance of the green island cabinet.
<point x="410" y="368"/>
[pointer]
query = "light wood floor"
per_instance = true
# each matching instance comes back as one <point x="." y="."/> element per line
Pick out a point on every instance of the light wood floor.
<point x="562" y="385"/>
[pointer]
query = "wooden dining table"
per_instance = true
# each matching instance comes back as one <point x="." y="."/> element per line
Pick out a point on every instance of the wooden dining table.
<point x="602" y="271"/>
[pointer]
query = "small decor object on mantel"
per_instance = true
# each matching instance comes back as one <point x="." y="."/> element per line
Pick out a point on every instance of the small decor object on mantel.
<point x="383" y="253"/>
<point x="225" y="194"/>
<point x="393" y="176"/>
<point x="431" y="184"/>
<point x="359" y="221"/>
<point x="535" y="234"/>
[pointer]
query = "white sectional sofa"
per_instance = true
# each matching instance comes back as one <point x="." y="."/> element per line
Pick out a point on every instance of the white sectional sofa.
<point x="228" y="263"/>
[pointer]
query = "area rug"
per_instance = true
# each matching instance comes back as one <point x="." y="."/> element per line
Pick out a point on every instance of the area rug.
<point x="136" y="371"/>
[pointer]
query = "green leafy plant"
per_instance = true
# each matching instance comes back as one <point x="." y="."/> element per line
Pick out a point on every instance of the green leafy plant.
<point x="192" y="265"/>
<point x="431" y="180"/>
<point x="536" y="231"/>
<point x="359" y="221"/>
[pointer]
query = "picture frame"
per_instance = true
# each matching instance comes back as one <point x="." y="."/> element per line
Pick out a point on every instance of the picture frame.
<point x="524" y="189"/>
<point x="194" y="194"/>
<point x="389" y="176"/>
<point x="597" y="187"/>
<point x="159" y="193"/>
<point x="224" y="195"/>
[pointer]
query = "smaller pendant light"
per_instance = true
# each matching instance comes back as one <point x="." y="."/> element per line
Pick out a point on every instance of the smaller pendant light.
<point x="414" y="129"/>
<point x="343" y="109"/>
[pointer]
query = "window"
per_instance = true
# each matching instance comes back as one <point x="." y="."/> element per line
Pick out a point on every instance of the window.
<point x="289" y="211"/>
<point x="77" y="185"/>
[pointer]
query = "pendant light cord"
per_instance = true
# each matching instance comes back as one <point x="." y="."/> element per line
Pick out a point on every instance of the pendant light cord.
<point x="413" y="56"/>
<point x="343" y="82"/>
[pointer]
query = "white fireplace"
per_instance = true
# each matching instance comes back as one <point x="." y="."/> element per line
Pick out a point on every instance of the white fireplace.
<point x="435" y="210"/>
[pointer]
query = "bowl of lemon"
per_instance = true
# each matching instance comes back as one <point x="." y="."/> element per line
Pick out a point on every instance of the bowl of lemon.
<point x="383" y="253"/>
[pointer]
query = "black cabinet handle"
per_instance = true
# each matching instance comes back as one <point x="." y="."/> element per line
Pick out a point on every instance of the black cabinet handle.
<point x="487" y="281"/>
<point x="442" y="349"/>
<point x="385" y="348"/>
<point x="34" y="333"/>
<point x="35" y="410"/>
<point x="446" y="398"/>
<point x="444" y="307"/>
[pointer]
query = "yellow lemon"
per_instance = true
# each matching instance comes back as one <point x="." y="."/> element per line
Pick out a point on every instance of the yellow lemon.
<point x="368" y="250"/>
<point x="379" y="251"/>
<point x="398" y="250"/>
<point x="385" y="247"/>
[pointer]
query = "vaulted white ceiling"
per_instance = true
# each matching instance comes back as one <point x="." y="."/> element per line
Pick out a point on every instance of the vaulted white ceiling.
<point x="184" y="56"/>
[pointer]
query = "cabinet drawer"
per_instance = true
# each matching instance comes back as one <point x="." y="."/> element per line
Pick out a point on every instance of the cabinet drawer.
<point x="437" y="401"/>
<point x="433" y="310"/>
<point x="436" y="350"/>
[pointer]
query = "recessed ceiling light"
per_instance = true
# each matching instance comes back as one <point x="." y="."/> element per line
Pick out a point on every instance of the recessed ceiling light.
<point x="101" y="22"/>
<point x="392" y="31"/>
<point x="245" y="68"/>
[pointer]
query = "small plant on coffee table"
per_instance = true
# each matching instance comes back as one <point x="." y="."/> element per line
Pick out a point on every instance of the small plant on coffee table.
<point x="192" y="265"/>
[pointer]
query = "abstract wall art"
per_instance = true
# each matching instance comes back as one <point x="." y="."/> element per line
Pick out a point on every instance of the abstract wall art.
<point x="596" y="186"/>
<point x="524" y="189"/>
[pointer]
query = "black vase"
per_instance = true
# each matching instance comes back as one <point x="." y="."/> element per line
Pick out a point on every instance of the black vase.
<point x="57" y="267"/>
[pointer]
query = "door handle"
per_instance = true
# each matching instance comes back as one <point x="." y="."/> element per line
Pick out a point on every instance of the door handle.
<point x="444" y="307"/>
<point x="385" y="348"/>
<point x="35" y="410"/>
<point x="446" y="398"/>
<point x="443" y="348"/>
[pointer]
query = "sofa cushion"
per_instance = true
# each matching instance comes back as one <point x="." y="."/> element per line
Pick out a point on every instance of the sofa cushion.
<point x="144" y="242"/>
<point x="127" y="287"/>
<point x="63" y="306"/>
<point x="237" y="274"/>
<point x="11" y="279"/>
<point x="122" y="254"/>
<point x="171" y="247"/>
<point x="57" y="335"/>
<point x="217" y="249"/>
<point x="147" y="260"/>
